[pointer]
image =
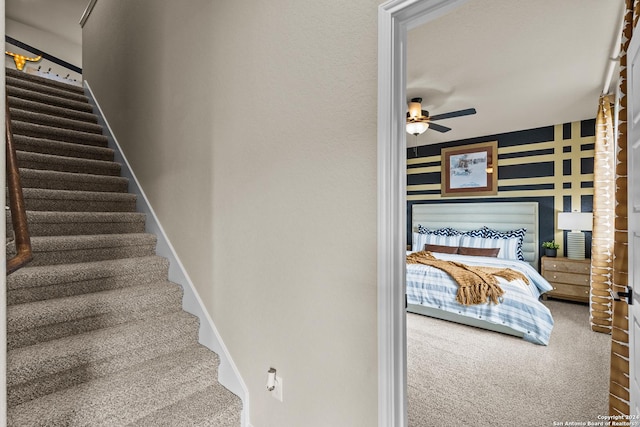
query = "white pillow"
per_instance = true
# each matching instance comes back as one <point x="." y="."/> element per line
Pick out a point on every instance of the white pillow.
<point x="508" y="247"/>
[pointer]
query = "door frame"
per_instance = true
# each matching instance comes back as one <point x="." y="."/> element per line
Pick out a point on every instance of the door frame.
<point x="633" y="228"/>
<point x="395" y="18"/>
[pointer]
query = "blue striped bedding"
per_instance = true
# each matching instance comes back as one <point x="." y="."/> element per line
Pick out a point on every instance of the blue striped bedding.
<point x="520" y="308"/>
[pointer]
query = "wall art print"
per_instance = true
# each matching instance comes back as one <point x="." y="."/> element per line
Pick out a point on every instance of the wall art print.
<point x="470" y="170"/>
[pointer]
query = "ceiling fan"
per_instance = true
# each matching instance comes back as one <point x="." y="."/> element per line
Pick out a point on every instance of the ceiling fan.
<point x="418" y="120"/>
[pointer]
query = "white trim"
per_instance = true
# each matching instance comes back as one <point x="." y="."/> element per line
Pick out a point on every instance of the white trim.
<point x="395" y="17"/>
<point x="87" y="12"/>
<point x="228" y="374"/>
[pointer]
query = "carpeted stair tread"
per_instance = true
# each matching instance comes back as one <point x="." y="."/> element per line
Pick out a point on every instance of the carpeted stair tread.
<point x="47" y="384"/>
<point x="54" y="121"/>
<point x="31" y="323"/>
<point x="47" y="89"/>
<point x="50" y="357"/>
<point x="46" y="223"/>
<point x="58" y="281"/>
<point x="30" y="95"/>
<point x="38" y="199"/>
<point x="66" y="164"/>
<point x="50" y="250"/>
<point x="43" y="80"/>
<point x="60" y="148"/>
<point x="42" y="368"/>
<point x="51" y="110"/>
<point x="57" y="134"/>
<point x="126" y="397"/>
<point x="197" y="410"/>
<point x="72" y="181"/>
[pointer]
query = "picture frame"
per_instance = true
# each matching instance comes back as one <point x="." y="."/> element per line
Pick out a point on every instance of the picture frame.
<point x="470" y="170"/>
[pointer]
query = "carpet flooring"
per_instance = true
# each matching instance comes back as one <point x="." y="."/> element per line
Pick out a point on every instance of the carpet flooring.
<point x="96" y="334"/>
<point x="464" y="376"/>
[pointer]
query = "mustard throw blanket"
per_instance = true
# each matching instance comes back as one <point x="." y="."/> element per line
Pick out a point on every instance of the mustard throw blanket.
<point x="477" y="285"/>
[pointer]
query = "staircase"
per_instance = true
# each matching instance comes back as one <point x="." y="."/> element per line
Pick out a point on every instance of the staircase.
<point x="96" y="334"/>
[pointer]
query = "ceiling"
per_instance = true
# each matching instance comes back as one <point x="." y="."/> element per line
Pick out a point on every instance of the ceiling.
<point x="60" y="17"/>
<point x="521" y="64"/>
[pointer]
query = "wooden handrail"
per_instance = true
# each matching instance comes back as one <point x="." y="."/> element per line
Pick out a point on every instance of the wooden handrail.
<point x="16" y="204"/>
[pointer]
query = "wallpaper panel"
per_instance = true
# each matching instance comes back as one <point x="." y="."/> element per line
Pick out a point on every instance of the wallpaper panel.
<point x="551" y="165"/>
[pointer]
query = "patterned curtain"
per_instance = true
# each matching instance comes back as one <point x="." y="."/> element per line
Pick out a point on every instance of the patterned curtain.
<point x="619" y="374"/>
<point x="603" y="218"/>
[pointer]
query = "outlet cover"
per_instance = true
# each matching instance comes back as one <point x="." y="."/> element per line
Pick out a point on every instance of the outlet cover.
<point x="277" y="392"/>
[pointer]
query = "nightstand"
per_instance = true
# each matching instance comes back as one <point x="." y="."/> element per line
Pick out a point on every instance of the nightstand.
<point x="570" y="278"/>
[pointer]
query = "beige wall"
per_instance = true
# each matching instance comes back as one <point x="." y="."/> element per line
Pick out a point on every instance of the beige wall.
<point x="45" y="41"/>
<point x="252" y="128"/>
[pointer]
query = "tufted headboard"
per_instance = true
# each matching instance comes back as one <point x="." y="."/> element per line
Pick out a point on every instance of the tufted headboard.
<point x="502" y="216"/>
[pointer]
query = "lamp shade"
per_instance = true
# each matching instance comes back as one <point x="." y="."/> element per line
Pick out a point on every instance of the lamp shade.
<point x="417" y="128"/>
<point x="415" y="107"/>
<point x="577" y="221"/>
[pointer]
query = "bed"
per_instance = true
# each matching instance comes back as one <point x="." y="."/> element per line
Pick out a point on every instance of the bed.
<point x="511" y="226"/>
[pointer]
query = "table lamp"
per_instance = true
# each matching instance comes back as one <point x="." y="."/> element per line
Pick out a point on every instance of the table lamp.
<point x="577" y="223"/>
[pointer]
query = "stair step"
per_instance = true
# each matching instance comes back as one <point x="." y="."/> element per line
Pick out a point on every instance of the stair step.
<point x="59" y="281"/>
<point x="51" y="110"/>
<point x="35" y="322"/>
<point x="54" y="121"/>
<point x="53" y="180"/>
<point x="43" y="98"/>
<point x="60" y="148"/>
<point x="45" y="88"/>
<point x="128" y="397"/>
<point x="65" y="135"/>
<point x="213" y="406"/>
<point x="40" y="369"/>
<point x="52" y="250"/>
<point x="37" y="199"/>
<point x="43" y="80"/>
<point x="45" y="223"/>
<point x="66" y="164"/>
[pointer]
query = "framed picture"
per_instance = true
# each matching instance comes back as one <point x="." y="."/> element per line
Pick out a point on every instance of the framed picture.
<point x="470" y="170"/>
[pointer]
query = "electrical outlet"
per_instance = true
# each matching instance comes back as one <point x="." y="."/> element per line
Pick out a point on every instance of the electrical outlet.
<point x="277" y="391"/>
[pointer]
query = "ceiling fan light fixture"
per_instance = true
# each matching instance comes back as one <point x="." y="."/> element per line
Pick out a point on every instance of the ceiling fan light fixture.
<point x="417" y="128"/>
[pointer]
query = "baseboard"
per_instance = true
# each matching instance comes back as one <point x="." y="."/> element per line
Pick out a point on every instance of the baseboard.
<point x="228" y="374"/>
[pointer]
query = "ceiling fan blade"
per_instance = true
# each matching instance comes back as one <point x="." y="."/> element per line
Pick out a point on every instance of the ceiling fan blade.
<point x="438" y="127"/>
<point x="452" y="114"/>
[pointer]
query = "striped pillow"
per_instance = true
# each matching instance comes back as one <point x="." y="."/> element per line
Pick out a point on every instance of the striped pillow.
<point x="420" y="239"/>
<point x="508" y="247"/>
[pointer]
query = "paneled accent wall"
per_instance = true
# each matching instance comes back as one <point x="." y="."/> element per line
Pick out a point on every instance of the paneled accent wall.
<point x="552" y="165"/>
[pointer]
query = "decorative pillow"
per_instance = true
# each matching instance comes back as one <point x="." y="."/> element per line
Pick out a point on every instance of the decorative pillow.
<point x="423" y="230"/>
<point x="419" y="240"/>
<point x="490" y="252"/>
<point x="508" y="247"/>
<point x="446" y="231"/>
<point x="480" y="232"/>
<point x="517" y="233"/>
<point x="441" y="249"/>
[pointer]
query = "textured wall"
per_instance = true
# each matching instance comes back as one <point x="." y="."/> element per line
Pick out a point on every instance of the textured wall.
<point x="552" y="165"/>
<point x="239" y="120"/>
